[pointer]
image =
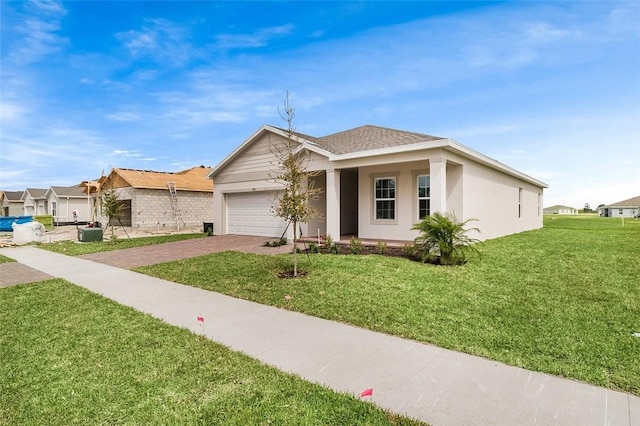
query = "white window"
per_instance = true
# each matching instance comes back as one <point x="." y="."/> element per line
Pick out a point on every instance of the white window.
<point x="54" y="208"/>
<point x="519" y="202"/>
<point x="385" y="198"/>
<point x="424" y="196"/>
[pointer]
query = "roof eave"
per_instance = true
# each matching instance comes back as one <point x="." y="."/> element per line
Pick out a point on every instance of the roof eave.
<point x="449" y="145"/>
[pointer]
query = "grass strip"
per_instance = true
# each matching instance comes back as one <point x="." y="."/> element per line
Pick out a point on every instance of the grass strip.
<point x="564" y="299"/>
<point x="72" y="357"/>
<point x="74" y="248"/>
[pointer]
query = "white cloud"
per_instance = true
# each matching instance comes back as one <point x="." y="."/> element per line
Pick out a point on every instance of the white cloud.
<point x="159" y="40"/>
<point x="258" y="39"/>
<point x="38" y="30"/>
<point x="123" y="116"/>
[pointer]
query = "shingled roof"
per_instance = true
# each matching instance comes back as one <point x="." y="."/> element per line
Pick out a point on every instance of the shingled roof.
<point x="36" y="192"/>
<point x="631" y="202"/>
<point x="193" y="179"/>
<point x="69" y="191"/>
<point x="13" y="195"/>
<point x="368" y="137"/>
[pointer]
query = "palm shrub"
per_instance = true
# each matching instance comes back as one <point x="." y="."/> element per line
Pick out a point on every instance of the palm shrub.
<point x="442" y="237"/>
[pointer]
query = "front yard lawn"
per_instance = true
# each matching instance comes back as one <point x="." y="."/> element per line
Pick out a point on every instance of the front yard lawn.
<point x="72" y="357"/>
<point x="564" y="299"/>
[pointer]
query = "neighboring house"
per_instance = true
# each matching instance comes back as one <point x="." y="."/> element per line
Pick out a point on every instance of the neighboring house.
<point x="62" y="201"/>
<point x="34" y="202"/>
<point x="559" y="209"/>
<point x="161" y="200"/>
<point x="626" y="208"/>
<point x="12" y="204"/>
<point x="376" y="183"/>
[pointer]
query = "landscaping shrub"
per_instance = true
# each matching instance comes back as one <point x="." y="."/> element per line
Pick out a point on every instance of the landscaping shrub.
<point x="442" y="237"/>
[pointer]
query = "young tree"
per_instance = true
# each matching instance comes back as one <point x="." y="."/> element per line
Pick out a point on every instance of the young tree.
<point x="112" y="208"/>
<point x="293" y="204"/>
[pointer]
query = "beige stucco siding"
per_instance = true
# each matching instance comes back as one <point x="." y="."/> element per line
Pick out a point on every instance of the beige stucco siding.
<point x="492" y="198"/>
<point x="65" y="207"/>
<point x="473" y="191"/>
<point x="406" y="203"/>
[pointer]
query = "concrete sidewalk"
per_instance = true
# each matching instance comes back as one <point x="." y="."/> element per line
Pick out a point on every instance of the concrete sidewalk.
<point x="439" y="386"/>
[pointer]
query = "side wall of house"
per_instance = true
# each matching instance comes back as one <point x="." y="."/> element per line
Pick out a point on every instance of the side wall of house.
<point x="502" y="204"/>
<point x="152" y="209"/>
<point x="65" y="207"/>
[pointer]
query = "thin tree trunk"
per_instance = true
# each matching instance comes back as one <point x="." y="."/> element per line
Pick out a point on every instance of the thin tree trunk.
<point x="295" y="249"/>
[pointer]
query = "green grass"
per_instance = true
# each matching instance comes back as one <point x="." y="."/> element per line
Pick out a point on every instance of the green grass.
<point x="564" y="299"/>
<point x="72" y="357"/>
<point x="5" y="259"/>
<point x="74" y="248"/>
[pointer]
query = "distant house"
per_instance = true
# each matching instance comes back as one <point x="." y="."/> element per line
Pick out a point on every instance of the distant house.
<point x="560" y="209"/>
<point x="376" y="182"/>
<point x="12" y="204"/>
<point x="63" y="201"/>
<point x="34" y="202"/>
<point x="160" y="200"/>
<point x="625" y="208"/>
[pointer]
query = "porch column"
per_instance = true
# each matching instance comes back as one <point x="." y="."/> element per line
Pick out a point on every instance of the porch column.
<point x="333" y="204"/>
<point x="438" y="177"/>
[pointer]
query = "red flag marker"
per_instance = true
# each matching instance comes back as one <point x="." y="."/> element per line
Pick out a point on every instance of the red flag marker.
<point x="201" y="319"/>
<point x="366" y="392"/>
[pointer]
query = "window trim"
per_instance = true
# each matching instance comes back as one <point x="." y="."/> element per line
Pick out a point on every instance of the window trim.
<point x="519" y="203"/>
<point x="374" y="199"/>
<point x="417" y="194"/>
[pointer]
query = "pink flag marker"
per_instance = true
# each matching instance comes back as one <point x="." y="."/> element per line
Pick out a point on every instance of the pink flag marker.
<point x="287" y="297"/>
<point x="366" y="392"/>
<point x="201" y="319"/>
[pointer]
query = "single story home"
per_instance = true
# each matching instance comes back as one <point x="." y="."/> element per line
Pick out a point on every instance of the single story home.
<point x="376" y="184"/>
<point x="63" y="201"/>
<point x="625" y="208"/>
<point x="560" y="209"/>
<point x="158" y="200"/>
<point x="12" y="204"/>
<point x="34" y="202"/>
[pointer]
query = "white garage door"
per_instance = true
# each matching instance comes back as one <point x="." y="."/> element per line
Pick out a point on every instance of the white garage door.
<point x="249" y="213"/>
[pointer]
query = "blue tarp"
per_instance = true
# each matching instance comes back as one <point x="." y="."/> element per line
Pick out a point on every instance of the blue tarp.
<point x="6" y="221"/>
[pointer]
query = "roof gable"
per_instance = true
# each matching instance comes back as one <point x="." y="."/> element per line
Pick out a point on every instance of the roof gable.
<point x="15" y="196"/>
<point x="34" y="193"/>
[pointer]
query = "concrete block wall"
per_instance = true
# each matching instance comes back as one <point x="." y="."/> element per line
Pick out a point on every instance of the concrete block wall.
<point x="151" y="209"/>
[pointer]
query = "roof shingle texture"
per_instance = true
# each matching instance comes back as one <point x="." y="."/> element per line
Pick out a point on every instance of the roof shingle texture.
<point x="13" y="195"/>
<point x="69" y="191"/>
<point x="37" y="192"/>
<point x="631" y="202"/>
<point x="366" y="138"/>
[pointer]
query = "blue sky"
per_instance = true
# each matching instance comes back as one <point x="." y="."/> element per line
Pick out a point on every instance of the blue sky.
<point x="550" y="88"/>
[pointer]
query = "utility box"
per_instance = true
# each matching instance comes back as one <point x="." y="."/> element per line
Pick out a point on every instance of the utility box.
<point x="87" y="235"/>
<point x="208" y="228"/>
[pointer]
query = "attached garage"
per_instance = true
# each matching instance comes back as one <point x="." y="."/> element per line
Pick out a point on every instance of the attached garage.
<point x="250" y="213"/>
